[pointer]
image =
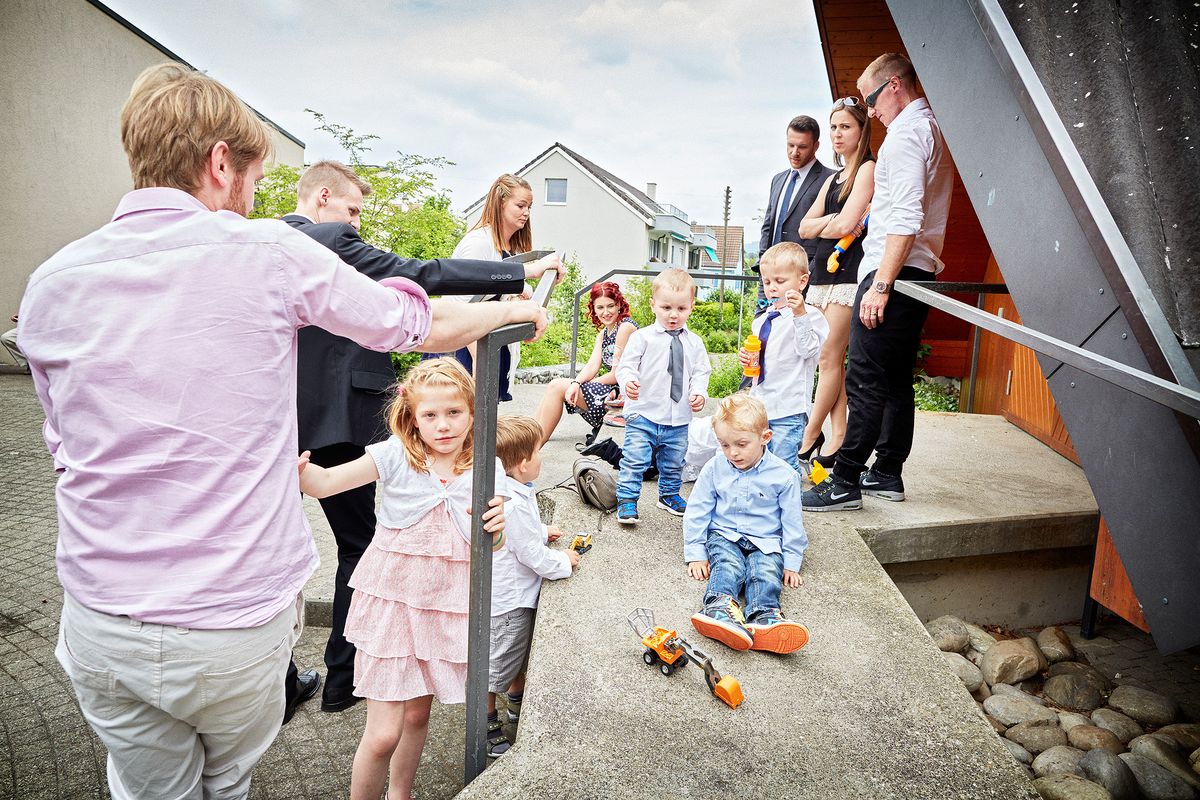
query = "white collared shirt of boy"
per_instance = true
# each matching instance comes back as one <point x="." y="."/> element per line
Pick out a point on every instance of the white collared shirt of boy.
<point x="760" y="503"/>
<point x="791" y="359"/>
<point x="647" y="359"/>
<point x="519" y="567"/>
<point x="406" y="495"/>
<point x="912" y="191"/>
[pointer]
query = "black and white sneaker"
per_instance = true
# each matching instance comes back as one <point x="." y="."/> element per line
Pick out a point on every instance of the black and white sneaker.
<point x="876" y="484"/>
<point x="832" y="494"/>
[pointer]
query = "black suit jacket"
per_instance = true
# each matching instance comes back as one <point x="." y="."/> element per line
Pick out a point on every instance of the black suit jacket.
<point x="790" y="232"/>
<point x="341" y="387"/>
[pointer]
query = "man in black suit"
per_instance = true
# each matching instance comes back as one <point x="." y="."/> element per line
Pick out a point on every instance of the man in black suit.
<point x="794" y="190"/>
<point x="341" y="388"/>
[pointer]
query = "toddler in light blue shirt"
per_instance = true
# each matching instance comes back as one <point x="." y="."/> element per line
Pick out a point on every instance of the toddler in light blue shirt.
<point x="742" y="534"/>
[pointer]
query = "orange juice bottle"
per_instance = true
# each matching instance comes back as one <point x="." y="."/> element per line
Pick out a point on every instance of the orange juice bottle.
<point x="753" y="346"/>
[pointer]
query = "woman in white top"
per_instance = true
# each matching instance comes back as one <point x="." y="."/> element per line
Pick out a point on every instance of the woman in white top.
<point x="502" y="231"/>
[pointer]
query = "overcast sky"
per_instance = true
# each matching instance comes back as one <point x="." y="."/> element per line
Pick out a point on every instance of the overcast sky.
<point x="693" y="96"/>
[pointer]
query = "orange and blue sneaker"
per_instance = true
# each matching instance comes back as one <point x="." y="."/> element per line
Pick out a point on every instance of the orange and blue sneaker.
<point x="775" y="633"/>
<point x="722" y="620"/>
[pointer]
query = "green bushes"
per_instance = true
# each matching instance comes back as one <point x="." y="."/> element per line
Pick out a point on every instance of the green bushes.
<point x="726" y="376"/>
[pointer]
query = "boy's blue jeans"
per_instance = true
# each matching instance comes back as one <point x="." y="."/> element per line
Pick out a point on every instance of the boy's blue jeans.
<point x="787" y="433"/>
<point x="649" y="443"/>
<point x="738" y="568"/>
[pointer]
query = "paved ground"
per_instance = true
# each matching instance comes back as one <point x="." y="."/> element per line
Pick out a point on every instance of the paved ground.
<point x="47" y="751"/>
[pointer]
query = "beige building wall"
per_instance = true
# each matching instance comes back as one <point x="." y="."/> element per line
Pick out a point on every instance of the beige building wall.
<point x="598" y="229"/>
<point x="65" y="71"/>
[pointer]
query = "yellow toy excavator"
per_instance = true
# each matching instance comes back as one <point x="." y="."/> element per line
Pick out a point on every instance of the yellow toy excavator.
<point x="671" y="652"/>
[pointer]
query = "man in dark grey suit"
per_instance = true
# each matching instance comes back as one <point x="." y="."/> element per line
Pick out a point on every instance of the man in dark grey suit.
<point x="341" y="387"/>
<point x="794" y="190"/>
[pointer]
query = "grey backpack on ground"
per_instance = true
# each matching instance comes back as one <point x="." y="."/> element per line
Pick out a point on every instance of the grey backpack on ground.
<point x="595" y="483"/>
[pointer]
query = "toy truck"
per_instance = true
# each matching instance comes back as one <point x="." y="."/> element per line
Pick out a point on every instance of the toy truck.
<point x="670" y="652"/>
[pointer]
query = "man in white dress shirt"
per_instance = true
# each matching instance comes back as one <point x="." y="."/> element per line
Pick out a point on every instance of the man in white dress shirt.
<point x="913" y="181"/>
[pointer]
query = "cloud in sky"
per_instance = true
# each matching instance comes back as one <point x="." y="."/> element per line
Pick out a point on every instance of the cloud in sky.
<point x="693" y="96"/>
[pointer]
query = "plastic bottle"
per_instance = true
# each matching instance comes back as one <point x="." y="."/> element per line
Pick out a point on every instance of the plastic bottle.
<point x="753" y="346"/>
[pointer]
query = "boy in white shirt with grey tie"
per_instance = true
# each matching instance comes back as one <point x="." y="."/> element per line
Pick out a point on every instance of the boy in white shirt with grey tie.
<point x="664" y="373"/>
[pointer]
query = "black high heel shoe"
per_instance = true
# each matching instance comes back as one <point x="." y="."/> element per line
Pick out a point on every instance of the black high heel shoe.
<point x="805" y="455"/>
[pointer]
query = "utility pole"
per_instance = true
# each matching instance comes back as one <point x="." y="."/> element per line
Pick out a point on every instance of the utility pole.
<point x="724" y="251"/>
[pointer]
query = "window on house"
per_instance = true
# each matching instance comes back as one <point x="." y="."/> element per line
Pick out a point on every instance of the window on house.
<point x="556" y="190"/>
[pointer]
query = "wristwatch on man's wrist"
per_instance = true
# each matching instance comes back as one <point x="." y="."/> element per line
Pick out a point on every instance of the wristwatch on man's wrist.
<point x="882" y="287"/>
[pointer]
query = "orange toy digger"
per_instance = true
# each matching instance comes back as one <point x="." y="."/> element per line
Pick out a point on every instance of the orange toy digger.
<point x="672" y="652"/>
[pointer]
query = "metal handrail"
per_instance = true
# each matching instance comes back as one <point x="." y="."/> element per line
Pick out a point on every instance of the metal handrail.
<point x="483" y="489"/>
<point x="643" y="273"/>
<point x="1172" y="395"/>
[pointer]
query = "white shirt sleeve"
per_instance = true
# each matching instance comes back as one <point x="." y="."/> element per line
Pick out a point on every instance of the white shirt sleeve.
<point x="909" y="156"/>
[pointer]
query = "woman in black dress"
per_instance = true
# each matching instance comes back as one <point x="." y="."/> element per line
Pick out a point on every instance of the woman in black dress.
<point x="587" y="393"/>
<point x="838" y="211"/>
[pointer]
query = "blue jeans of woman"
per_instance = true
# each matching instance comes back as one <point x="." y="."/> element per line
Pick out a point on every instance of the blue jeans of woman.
<point x="738" y="568"/>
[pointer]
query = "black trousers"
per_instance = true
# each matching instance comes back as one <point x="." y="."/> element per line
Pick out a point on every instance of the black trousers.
<point x="351" y="515"/>
<point x="879" y="383"/>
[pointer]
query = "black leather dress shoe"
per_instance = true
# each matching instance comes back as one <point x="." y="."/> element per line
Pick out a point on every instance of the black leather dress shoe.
<point x="308" y="682"/>
<point x="334" y="700"/>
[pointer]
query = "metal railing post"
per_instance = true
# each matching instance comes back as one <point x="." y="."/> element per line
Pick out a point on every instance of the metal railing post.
<point x="483" y="489"/>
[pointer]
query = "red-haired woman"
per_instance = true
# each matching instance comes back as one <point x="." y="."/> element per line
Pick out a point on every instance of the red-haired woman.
<point x="609" y="312"/>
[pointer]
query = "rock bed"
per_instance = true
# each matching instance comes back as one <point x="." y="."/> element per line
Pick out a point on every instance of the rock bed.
<point x="1080" y="736"/>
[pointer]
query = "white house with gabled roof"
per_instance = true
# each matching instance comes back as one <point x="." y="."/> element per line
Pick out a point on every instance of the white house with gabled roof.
<point x="600" y="220"/>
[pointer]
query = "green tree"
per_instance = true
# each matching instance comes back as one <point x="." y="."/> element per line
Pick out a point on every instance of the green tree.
<point x="406" y="213"/>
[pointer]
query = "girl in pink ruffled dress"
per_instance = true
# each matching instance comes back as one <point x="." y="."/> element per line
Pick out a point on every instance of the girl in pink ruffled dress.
<point x="408" y="614"/>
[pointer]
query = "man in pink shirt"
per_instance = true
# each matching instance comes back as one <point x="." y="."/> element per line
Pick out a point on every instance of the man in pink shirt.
<point x="163" y="350"/>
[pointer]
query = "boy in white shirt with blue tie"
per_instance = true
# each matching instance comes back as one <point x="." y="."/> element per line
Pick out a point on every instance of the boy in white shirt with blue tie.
<point x="792" y="334"/>
<point x="664" y="373"/>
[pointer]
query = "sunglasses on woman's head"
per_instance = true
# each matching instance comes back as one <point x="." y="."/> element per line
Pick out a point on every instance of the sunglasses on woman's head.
<point x="846" y="102"/>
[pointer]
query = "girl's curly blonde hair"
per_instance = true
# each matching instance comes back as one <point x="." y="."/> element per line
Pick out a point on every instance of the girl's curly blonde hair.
<point x="401" y="412"/>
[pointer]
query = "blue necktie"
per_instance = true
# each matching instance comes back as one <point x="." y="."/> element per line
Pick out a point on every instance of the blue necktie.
<point x="764" y="333"/>
<point x="784" y="206"/>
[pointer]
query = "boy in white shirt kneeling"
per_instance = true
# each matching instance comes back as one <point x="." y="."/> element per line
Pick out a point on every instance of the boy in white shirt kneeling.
<point x="518" y="568"/>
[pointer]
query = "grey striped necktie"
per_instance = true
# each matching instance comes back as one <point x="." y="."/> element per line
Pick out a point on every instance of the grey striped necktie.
<point x="676" y="367"/>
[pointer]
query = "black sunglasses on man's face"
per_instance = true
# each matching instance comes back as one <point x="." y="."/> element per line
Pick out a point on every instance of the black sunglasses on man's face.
<point x="873" y="96"/>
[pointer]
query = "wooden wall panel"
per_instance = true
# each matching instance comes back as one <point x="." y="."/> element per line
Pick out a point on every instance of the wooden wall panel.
<point x="853" y="33"/>
<point x="1110" y="583"/>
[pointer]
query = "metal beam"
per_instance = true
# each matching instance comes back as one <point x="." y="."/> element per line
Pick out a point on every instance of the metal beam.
<point x="483" y="489"/>
<point x="1073" y="278"/>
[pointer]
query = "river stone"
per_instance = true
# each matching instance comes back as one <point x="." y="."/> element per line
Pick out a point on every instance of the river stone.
<point x="967" y="672"/>
<point x="1194" y="759"/>
<point x="1155" y="782"/>
<point x="1056" y="645"/>
<point x="1036" y="737"/>
<point x="949" y="634"/>
<point x="1014" y="710"/>
<point x="974" y="656"/>
<point x="1166" y="757"/>
<point x="1148" y="708"/>
<point x="1122" y="726"/>
<point x="1165" y="741"/>
<point x="1076" y="668"/>
<point x="1019" y="753"/>
<point x="1012" y="691"/>
<point x="1069" y="719"/>
<point x="998" y="726"/>
<point x="1058" y="760"/>
<point x="1186" y="733"/>
<point x="1069" y="787"/>
<point x="1106" y="769"/>
<point x="1011" y="661"/>
<point x="1089" y="737"/>
<point x="983" y="692"/>
<point x="1073" y="692"/>
<point x="981" y="640"/>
